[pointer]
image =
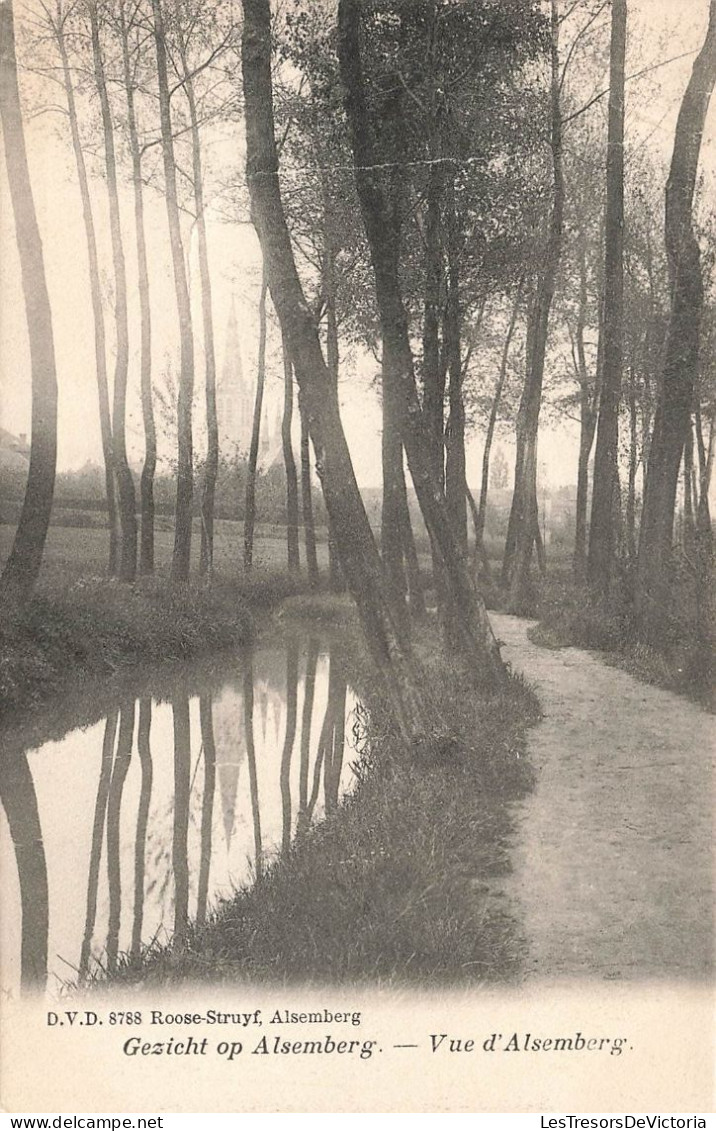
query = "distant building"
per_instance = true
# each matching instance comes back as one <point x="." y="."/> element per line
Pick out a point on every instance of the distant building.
<point x="234" y="399"/>
<point x="14" y="451"/>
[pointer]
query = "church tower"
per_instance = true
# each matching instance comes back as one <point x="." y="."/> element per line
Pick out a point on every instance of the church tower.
<point x="233" y="398"/>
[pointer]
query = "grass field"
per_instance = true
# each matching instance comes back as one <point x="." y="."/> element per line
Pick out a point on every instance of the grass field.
<point x="72" y="552"/>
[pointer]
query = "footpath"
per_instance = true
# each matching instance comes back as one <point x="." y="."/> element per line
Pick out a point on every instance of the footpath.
<point x="613" y="869"/>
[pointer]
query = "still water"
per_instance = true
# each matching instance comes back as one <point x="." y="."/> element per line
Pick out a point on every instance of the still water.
<point x="125" y="831"/>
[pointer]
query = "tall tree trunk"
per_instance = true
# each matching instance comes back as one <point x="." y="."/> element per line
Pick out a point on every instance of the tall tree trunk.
<point x="294" y="563"/>
<point x="100" y="346"/>
<point x="416" y="596"/>
<point x="181" y="557"/>
<point x="250" y="498"/>
<point x="633" y="462"/>
<point x="676" y="395"/>
<point x="211" y="468"/>
<point x="455" y="477"/>
<point x="309" y="527"/>
<point x="587" y="429"/>
<point x="146" y="489"/>
<point x="602" y="528"/>
<point x="23" y="564"/>
<point x="524" y="516"/>
<point x="481" y="511"/>
<point x="391" y="529"/>
<point x="434" y="371"/>
<point x="705" y="461"/>
<point x="125" y="482"/>
<point x="588" y="407"/>
<point x="690" y="504"/>
<point x="358" y="552"/>
<point x="332" y="358"/>
<point x="477" y="640"/>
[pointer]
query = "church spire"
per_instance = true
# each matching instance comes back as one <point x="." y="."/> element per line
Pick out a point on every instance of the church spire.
<point x="233" y="397"/>
<point x="233" y="370"/>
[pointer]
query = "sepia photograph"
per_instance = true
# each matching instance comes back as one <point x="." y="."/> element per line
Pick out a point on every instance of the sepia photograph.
<point x="357" y="608"/>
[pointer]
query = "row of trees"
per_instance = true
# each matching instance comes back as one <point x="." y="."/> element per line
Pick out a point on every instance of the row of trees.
<point x="434" y="181"/>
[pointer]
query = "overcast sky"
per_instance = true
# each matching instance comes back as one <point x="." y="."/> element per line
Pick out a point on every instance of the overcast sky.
<point x="659" y="29"/>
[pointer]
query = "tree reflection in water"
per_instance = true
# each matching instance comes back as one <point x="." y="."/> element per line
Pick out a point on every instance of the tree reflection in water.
<point x="308" y="698"/>
<point x="290" y="738"/>
<point x="208" y="743"/>
<point x="251" y="757"/>
<point x="114" y="807"/>
<point x="100" y="814"/>
<point x="145" y="797"/>
<point x="19" y="800"/>
<point x="182" y="791"/>
<point x="146" y="845"/>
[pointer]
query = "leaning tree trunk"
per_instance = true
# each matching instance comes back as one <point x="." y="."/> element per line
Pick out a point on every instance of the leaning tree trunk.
<point x="211" y="468"/>
<point x="524" y="516"/>
<point x="250" y="498"/>
<point x="359" y="556"/>
<point x="477" y="641"/>
<point x="23" y="564"/>
<point x="676" y="394"/>
<point x="100" y="345"/>
<point x="146" y="488"/>
<point x="294" y="564"/>
<point x="181" y="557"/>
<point x="602" y="527"/>
<point x="125" y="482"/>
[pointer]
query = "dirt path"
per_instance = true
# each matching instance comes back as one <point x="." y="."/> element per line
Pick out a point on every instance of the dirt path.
<point x="613" y="865"/>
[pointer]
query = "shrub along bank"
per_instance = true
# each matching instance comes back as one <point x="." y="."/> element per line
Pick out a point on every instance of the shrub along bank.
<point x="680" y="660"/>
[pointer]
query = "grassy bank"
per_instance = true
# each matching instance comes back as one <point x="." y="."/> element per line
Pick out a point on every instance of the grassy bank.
<point x="397" y="885"/>
<point x="97" y="630"/>
<point x="82" y="629"/>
